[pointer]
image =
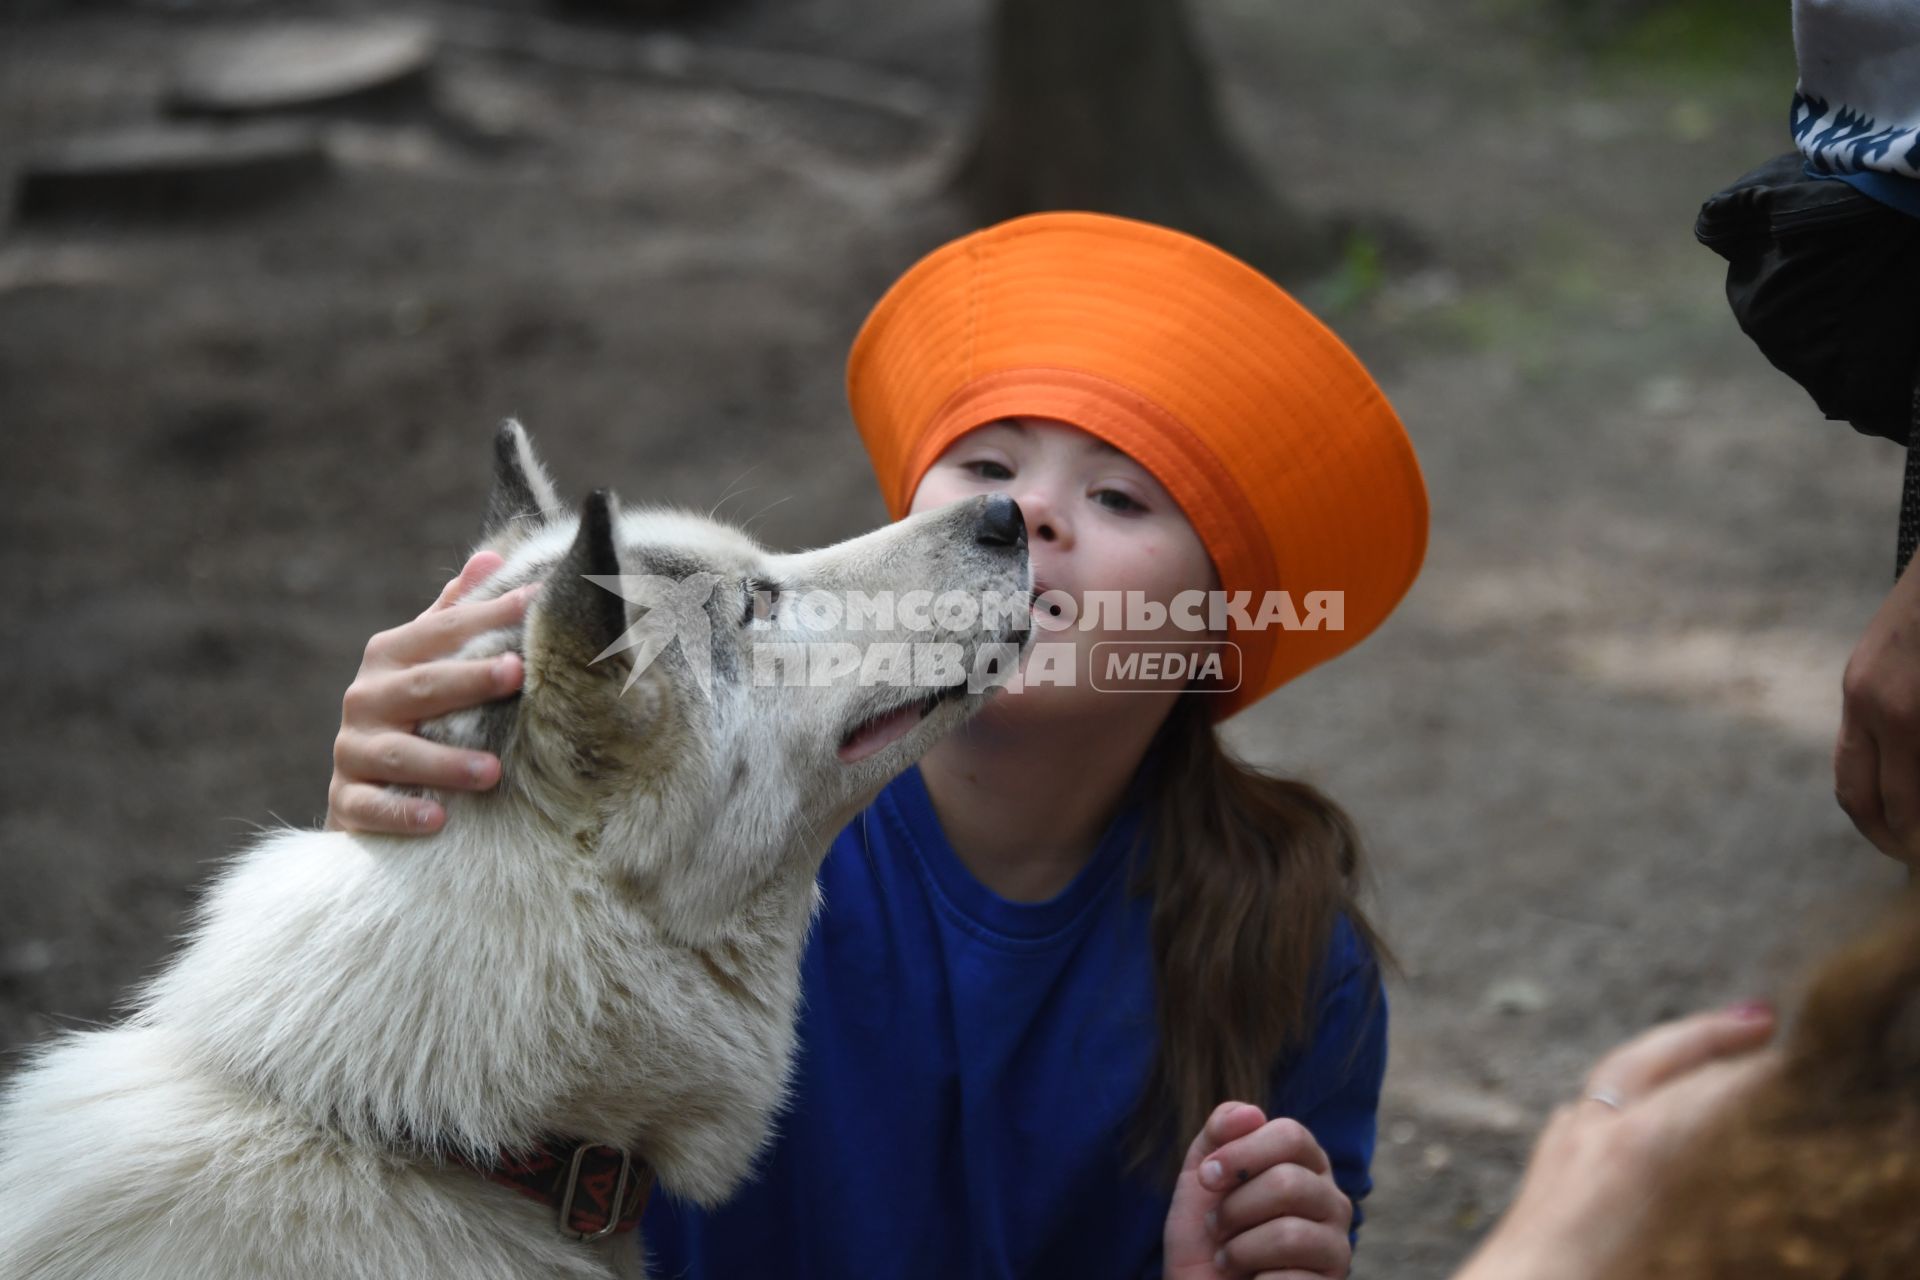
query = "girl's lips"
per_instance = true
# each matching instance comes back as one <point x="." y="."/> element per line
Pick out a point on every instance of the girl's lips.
<point x="1035" y="606"/>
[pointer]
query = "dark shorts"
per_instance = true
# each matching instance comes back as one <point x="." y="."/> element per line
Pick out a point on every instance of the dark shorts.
<point x="1826" y="281"/>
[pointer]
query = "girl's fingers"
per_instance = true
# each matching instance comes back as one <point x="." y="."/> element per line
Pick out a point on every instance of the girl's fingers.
<point x="438" y="632"/>
<point x="396" y="699"/>
<point x="359" y="806"/>
<point x="409" y="761"/>
<point x="399" y="686"/>
<point x="1282" y="1141"/>
<point x="1675" y="1049"/>
<point x="1189" y="1246"/>
<point x="1225" y="1123"/>
<point x="1284" y="1191"/>
<point x="1282" y="1243"/>
<point x="480" y="566"/>
<point x="1232" y="1120"/>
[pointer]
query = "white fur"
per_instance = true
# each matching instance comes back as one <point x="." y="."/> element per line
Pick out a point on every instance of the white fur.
<point x="610" y="954"/>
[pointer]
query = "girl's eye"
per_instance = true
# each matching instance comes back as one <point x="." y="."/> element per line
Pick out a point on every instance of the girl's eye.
<point x="986" y="469"/>
<point x="1120" y="501"/>
<point x="762" y="597"/>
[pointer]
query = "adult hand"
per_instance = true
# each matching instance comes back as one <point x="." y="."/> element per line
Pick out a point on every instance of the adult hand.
<point x="1589" y="1187"/>
<point x="403" y="680"/>
<point x="1256" y="1197"/>
<point x="1876" y="761"/>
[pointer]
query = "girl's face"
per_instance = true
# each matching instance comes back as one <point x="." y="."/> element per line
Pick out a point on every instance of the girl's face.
<point x="1096" y="521"/>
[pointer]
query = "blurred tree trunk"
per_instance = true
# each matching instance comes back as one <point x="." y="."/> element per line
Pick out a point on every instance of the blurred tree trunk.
<point x="1107" y="105"/>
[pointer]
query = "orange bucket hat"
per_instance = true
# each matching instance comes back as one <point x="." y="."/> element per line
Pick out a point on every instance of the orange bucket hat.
<point x="1278" y="446"/>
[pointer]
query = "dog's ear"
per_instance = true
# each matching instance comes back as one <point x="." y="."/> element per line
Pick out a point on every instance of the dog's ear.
<point x="579" y="619"/>
<point x="523" y="494"/>
<point x="585" y="723"/>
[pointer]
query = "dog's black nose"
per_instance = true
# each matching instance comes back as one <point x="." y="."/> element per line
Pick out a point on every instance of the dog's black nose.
<point x="1000" y="523"/>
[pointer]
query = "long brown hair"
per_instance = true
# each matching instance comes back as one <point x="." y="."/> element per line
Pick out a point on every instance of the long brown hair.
<point x="1247" y="873"/>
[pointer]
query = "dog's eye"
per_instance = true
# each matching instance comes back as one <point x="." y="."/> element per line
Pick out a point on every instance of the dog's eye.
<point x="762" y="598"/>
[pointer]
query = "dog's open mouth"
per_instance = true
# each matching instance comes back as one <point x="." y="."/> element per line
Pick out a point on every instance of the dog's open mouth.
<point x="879" y="731"/>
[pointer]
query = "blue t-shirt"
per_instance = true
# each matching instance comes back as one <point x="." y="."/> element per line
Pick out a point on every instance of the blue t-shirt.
<point x="967" y="1069"/>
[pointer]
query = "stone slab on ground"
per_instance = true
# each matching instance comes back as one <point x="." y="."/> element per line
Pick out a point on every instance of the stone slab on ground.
<point x="177" y="168"/>
<point x="306" y="67"/>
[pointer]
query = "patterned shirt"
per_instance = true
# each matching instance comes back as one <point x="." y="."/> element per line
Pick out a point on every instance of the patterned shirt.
<point x="1856" y="110"/>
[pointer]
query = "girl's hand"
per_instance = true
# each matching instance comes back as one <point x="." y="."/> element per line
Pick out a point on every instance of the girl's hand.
<point x="1256" y="1197"/>
<point x="404" y="680"/>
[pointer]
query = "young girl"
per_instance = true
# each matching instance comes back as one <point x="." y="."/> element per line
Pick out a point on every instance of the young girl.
<point x="1089" y="996"/>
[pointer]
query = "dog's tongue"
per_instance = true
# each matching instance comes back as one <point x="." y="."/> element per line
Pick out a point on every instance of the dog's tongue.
<point x="876" y="733"/>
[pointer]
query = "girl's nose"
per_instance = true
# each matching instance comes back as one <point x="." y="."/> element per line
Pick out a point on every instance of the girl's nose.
<point x="1045" y="517"/>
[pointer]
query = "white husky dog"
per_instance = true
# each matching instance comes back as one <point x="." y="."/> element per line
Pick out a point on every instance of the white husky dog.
<point x="591" y="971"/>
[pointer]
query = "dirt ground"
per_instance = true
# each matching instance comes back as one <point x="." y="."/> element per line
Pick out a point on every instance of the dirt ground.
<point x="1590" y="752"/>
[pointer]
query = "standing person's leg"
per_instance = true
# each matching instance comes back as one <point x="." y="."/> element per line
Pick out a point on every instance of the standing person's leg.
<point x="1910" y="488"/>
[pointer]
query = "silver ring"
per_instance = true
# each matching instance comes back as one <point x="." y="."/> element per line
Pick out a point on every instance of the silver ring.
<point x="1606" y="1098"/>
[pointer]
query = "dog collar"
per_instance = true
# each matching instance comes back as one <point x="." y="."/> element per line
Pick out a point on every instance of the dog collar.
<point x="596" y="1191"/>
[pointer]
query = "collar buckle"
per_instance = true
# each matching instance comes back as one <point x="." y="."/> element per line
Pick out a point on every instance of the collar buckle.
<point x="614" y="1202"/>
